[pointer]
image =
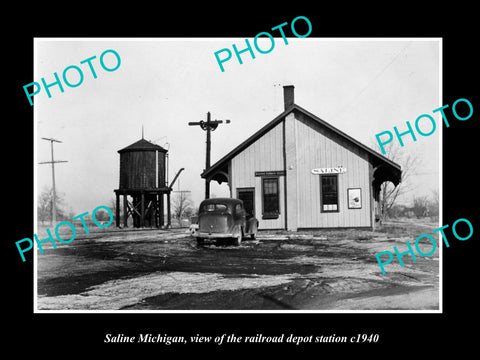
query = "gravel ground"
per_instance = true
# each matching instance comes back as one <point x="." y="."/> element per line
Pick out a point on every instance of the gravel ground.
<point x="166" y="270"/>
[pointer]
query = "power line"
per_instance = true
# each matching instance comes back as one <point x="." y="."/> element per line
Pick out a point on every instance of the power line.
<point x="53" y="162"/>
<point x="373" y="79"/>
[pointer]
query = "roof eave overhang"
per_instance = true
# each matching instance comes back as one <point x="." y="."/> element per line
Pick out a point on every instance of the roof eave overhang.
<point x="208" y="173"/>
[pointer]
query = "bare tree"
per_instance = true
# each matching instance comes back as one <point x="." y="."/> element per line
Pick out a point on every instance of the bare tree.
<point x="182" y="205"/>
<point x="44" y="205"/>
<point x="420" y="206"/>
<point x="434" y="205"/>
<point x="388" y="192"/>
<point x="102" y="216"/>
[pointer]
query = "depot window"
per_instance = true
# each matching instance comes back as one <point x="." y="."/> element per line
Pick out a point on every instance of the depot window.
<point x="329" y="193"/>
<point x="270" y="198"/>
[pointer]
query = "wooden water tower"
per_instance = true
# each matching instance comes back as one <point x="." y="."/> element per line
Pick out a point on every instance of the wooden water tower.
<point x="143" y="178"/>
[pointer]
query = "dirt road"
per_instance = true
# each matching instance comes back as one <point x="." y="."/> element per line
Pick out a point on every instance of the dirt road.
<point x="166" y="270"/>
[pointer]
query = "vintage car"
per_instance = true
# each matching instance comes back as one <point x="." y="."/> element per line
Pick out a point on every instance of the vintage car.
<point x="224" y="218"/>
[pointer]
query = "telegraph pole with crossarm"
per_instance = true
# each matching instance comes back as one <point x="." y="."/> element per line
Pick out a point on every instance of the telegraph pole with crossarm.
<point x="208" y="126"/>
<point x="53" y="162"/>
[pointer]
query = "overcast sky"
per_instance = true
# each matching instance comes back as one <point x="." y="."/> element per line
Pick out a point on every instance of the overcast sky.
<point x="360" y="86"/>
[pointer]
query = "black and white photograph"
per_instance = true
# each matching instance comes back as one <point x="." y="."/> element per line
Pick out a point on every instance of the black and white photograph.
<point x="226" y="180"/>
<point x="258" y="188"/>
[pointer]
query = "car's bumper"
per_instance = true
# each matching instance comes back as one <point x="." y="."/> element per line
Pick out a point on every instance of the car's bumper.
<point x="206" y="235"/>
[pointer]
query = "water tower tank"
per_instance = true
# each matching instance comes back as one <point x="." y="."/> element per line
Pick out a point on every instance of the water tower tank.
<point x="142" y="166"/>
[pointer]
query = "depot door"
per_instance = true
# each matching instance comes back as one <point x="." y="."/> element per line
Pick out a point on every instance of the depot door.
<point x="247" y="195"/>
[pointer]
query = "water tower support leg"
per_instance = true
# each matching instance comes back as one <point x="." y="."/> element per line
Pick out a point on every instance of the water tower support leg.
<point x="161" y="211"/>
<point x="142" y="210"/>
<point x="169" y="215"/>
<point x="125" y="211"/>
<point x="117" y="209"/>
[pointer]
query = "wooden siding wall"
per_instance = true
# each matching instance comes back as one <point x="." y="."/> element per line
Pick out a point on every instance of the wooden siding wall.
<point x="265" y="154"/>
<point x="162" y="169"/>
<point x="318" y="147"/>
<point x="137" y="170"/>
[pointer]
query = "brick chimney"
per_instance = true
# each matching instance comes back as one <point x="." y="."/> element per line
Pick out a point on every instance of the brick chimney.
<point x="288" y="95"/>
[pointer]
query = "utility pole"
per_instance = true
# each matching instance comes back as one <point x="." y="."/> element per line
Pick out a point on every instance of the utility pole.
<point x="53" y="162"/>
<point x="208" y="126"/>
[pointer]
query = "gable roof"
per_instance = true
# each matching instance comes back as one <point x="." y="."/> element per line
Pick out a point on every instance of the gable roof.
<point x="142" y="145"/>
<point x="378" y="159"/>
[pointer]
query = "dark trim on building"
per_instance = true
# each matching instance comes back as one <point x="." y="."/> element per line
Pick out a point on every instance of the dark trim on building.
<point x="285" y="177"/>
<point x="276" y="215"/>
<point x="371" y="190"/>
<point x="321" y="194"/>
<point x="271" y="173"/>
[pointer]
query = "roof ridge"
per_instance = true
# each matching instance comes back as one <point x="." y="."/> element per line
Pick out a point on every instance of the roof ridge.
<point x="142" y="144"/>
<point x="259" y="133"/>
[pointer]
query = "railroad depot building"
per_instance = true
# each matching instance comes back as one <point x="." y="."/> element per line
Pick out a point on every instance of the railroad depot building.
<point x="300" y="172"/>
